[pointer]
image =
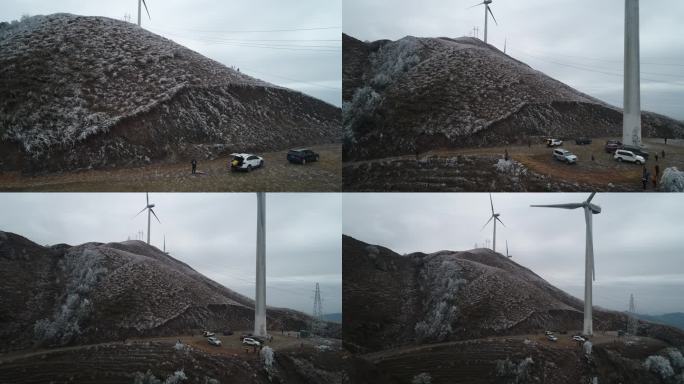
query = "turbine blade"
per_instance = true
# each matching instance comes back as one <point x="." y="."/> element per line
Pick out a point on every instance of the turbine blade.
<point x="564" y="206"/>
<point x="148" y="12"/>
<point x="491" y="202"/>
<point x="476" y="5"/>
<point x="591" y="197"/>
<point x="490" y="219"/>
<point x="155" y="215"/>
<point x="490" y="12"/>
<point x="141" y="211"/>
<point x="501" y="222"/>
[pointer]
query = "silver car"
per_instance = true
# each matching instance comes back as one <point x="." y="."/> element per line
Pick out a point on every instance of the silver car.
<point x="564" y="155"/>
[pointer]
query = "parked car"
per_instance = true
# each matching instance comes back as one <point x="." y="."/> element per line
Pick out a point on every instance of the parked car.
<point x="623" y="155"/>
<point x="552" y="337"/>
<point x="207" y="334"/>
<point x="227" y="332"/>
<point x="245" y="162"/>
<point x="548" y="333"/>
<point x="636" y="150"/>
<point x="302" y="156"/>
<point x="250" y="341"/>
<point x="214" y="341"/>
<point x="554" y="142"/>
<point x="564" y="155"/>
<point x="582" y="141"/>
<point x="579" y="338"/>
<point x="612" y="145"/>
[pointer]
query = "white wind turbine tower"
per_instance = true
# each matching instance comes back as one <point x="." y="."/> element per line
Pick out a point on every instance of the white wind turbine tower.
<point x="487" y="9"/>
<point x="149" y="211"/>
<point x="260" y="299"/>
<point x="631" y="114"/>
<point x="589" y="270"/>
<point x="495" y="217"/>
<point x="147" y="10"/>
<point x="507" y="255"/>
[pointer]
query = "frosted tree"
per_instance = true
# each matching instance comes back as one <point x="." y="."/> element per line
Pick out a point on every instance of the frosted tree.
<point x="422" y="378"/>
<point x="267" y="356"/>
<point x="659" y="365"/>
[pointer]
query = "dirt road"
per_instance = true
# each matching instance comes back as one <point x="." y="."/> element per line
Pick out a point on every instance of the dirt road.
<point x="213" y="176"/>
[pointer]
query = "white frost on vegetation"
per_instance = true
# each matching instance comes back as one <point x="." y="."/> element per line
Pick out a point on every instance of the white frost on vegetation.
<point x="267" y="356"/>
<point x="659" y="365"/>
<point x="422" y="378"/>
<point x="441" y="285"/>
<point x="83" y="268"/>
<point x="672" y="180"/>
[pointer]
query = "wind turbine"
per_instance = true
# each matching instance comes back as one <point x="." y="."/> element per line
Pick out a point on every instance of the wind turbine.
<point x="589" y="270"/>
<point x="260" y="299"/>
<point x="495" y="217"/>
<point x="487" y="9"/>
<point x="149" y="211"/>
<point x="507" y="255"/>
<point x="148" y="11"/>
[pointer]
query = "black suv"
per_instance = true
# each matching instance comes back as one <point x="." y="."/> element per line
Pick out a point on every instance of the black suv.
<point x="302" y="156"/>
<point x="582" y="141"/>
<point x="636" y="150"/>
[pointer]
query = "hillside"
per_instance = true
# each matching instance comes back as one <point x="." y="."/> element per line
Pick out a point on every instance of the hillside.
<point x="392" y="300"/>
<point x="92" y="293"/>
<point x="92" y="92"/>
<point x="417" y="94"/>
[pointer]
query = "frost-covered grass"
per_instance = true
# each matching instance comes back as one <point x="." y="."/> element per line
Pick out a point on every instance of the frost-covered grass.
<point x="149" y="378"/>
<point x="67" y="78"/>
<point x="422" y="378"/>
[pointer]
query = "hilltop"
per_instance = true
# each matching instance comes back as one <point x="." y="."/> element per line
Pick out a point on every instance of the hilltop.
<point x="417" y="94"/>
<point x="92" y="92"/>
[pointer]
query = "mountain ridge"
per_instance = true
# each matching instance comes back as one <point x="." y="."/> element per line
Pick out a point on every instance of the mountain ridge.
<point x="97" y="292"/>
<point x="416" y="94"/>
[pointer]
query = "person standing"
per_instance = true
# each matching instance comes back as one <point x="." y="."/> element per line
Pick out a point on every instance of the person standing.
<point x="194" y="166"/>
<point x="645" y="177"/>
<point x="662" y="154"/>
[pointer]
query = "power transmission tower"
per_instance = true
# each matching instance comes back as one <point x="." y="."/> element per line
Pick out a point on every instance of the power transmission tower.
<point x="317" y="311"/>
<point x="632" y="320"/>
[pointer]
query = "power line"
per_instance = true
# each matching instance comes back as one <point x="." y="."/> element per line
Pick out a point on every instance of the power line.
<point x="596" y="70"/>
<point x="259" y="31"/>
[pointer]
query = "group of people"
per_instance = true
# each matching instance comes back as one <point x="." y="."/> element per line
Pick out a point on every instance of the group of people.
<point x="646" y="174"/>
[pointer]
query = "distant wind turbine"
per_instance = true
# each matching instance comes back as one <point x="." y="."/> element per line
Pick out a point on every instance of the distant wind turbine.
<point x="507" y="255"/>
<point x="148" y="11"/>
<point x="495" y="217"/>
<point x="149" y="211"/>
<point x="589" y="270"/>
<point x="487" y="9"/>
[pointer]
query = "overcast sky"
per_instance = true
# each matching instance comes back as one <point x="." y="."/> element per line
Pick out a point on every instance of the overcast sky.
<point x="309" y="61"/>
<point x="213" y="233"/>
<point x="579" y="42"/>
<point x="638" y="238"/>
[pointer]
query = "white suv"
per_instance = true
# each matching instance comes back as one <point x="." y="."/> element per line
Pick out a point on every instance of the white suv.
<point x="245" y="162"/>
<point x="564" y="155"/>
<point x="554" y="142"/>
<point x="624" y="155"/>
